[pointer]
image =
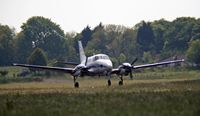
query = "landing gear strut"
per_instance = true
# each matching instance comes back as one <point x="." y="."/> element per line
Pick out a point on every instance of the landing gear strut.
<point x="121" y="81"/>
<point x="76" y="84"/>
<point x="109" y="82"/>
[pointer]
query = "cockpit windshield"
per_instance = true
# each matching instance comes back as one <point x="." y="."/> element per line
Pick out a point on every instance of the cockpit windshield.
<point x="100" y="57"/>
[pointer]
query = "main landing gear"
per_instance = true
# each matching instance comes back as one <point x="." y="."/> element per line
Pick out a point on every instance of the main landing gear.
<point x="109" y="81"/>
<point x="120" y="82"/>
<point x="76" y="84"/>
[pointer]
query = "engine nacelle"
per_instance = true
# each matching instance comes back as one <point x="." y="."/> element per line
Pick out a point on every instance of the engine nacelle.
<point x="77" y="73"/>
<point x="125" y="69"/>
<point x="79" y="70"/>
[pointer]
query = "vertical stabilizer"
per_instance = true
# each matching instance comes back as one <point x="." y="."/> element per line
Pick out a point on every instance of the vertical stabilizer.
<point x="82" y="53"/>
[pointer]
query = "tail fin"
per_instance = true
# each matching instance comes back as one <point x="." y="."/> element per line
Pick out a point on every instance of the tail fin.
<point x="82" y="53"/>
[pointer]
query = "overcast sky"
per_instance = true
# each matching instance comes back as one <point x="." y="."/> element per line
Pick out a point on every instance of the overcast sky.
<point x="74" y="15"/>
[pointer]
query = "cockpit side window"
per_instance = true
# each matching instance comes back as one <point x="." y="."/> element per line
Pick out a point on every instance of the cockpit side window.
<point x="96" y="58"/>
<point x="106" y="57"/>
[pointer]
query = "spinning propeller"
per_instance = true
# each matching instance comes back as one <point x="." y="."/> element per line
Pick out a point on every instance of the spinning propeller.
<point x="128" y="67"/>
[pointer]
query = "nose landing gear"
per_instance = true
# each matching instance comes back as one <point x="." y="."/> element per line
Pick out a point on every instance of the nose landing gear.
<point x="76" y="84"/>
<point x="121" y="81"/>
<point x="109" y="82"/>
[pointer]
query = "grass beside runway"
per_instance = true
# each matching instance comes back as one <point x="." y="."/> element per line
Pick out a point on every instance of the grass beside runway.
<point x="151" y="94"/>
<point x="167" y="103"/>
<point x="136" y="98"/>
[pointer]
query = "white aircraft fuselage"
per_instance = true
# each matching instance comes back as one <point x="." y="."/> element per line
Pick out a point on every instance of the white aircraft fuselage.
<point x="99" y="64"/>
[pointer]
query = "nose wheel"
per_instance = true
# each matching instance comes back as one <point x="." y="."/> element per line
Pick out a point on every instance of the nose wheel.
<point x="76" y="84"/>
<point x="109" y="82"/>
<point x="121" y="81"/>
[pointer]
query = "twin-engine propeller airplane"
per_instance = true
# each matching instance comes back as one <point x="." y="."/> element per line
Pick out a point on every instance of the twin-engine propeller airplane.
<point x="100" y="65"/>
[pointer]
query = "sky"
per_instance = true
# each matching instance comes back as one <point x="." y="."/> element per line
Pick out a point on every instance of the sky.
<point x="75" y="15"/>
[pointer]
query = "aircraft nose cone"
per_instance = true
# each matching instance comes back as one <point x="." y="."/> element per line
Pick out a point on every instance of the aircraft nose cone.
<point x="107" y="64"/>
<point x="110" y="65"/>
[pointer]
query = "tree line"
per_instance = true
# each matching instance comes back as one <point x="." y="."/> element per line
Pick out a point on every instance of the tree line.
<point x="148" y="41"/>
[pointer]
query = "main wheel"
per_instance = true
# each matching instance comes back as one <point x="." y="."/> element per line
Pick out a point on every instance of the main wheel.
<point x="120" y="82"/>
<point x="109" y="83"/>
<point x="76" y="85"/>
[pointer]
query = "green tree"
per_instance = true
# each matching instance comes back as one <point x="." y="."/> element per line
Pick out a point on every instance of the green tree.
<point x="6" y="45"/>
<point x="179" y="35"/>
<point x="43" y="33"/>
<point x="147" y="58"/>
<point x="172" y="38"/>
<point x="196" y="30"/>
<point x="113" y="39"/>
<point x="97" y="43"/>
<point x="129" y="44"/>
<point x="149" y="41"/>
<point x="160" y="28"/>
<point x="99" y="27"/>
<point x="122" y="58"/>
<point x="193" y="53"/>
<point x="86" y="35"/>
<point x="145" y="37"/>
<point x="71" y="44"/>
<point x="37" y="57"/>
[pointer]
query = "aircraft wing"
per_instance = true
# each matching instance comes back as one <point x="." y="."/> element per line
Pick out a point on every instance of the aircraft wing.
<point x="157" y="64"/>
<point x="69" y="63"/>
<point x="66" y="70"/>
